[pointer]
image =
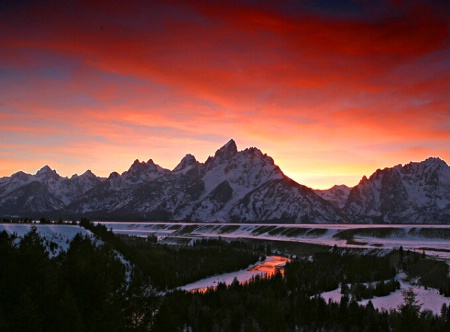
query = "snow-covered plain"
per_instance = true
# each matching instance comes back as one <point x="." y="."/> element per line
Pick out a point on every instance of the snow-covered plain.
<point x="434" y="240"/>
<point x="429" y="299"/>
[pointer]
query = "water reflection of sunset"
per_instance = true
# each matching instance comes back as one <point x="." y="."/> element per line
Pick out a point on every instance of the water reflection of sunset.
<point x="270" y="265"/>
<point x="264" y="269"/>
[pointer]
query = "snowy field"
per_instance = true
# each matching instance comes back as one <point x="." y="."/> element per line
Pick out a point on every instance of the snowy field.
<point x="429" y="299"/>
<point x="410" y="237"/>
<point x="61" y="235"/>
<point x="434" y="240"/>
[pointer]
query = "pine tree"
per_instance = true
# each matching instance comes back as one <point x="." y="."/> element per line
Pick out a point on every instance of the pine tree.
<point x="409" y="311"/>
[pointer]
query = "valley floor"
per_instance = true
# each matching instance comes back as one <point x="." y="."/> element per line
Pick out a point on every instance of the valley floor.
<point x="433" y="240"/>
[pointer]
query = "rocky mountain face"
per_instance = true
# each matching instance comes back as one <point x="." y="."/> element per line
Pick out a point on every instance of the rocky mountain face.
<point x="24" y="194"/>
<point x="414" y="193"/>
<point x="232" y="185"/>
<point x="336" y="195"/>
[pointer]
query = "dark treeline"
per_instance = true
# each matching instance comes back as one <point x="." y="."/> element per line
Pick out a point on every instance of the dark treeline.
<point x="41" y="220"/>
<point x="83" y="289"/>
<point x="361" y="291"/>
<point x="290" y="303"/>
<point x="173" y="266"/>
<point x="326" y="271"/>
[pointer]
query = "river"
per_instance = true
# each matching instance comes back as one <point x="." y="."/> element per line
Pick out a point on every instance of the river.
<point x="265" y="268"/>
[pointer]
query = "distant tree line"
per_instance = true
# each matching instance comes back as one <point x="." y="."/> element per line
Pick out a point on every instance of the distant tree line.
<point x="41" y="220"/>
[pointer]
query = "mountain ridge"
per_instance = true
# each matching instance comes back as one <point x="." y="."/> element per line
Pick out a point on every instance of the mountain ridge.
<point x="231" y="185"/>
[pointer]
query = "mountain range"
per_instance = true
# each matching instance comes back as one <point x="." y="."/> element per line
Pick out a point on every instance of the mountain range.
<point x="231" y="186"/>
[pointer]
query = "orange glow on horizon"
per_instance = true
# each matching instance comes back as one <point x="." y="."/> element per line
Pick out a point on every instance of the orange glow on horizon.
<point x="330" y="93"/>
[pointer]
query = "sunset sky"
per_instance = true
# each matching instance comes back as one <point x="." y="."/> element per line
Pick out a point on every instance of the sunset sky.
<point x="332" y="90"/>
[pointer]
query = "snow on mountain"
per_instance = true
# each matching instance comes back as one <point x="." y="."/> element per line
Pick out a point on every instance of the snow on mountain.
<point x="16" y="180"/>
<point x="224" y="154"/>
<point x="232" y="185"/>
<point x="187" y="164"/>
<point x="73" y="188"/>
<point x="229" y="177"/>
<point x="285" y="200"/>
<point x="142" y="172"/>
<point x="414" y="193"/>
<point x="336" y="195"/>
<point x="43" y="192"/>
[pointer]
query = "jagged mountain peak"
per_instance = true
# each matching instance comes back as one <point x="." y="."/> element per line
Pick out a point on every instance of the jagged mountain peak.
<point x="417" y="192"/>
<point x="46" y="173"/>
<point x="20" y="175"/>
<point x="431" y="163"/>
<point x="232" y="186"/>
<point x="113" y="175"/>
<point x="187" y="161"/>
<point x="228" y="151"/>
<point x="435" y="160"/>
<point x="45" y="170"/>
<point x="255" y="153"/>
<point x="148" y="167"/>
<point x="88" y="173"/>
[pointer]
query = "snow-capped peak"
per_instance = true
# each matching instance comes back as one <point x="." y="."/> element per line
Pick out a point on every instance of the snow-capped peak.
<point x="20" y="176"/>
<point x="224" y="154"/>
<point x="141" y="172"/>
<point x="187" y="162"/>
<point x="46" y="171"/>
<point x="336" y="195"/>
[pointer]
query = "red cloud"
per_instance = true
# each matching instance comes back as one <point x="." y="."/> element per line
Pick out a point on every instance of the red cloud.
<point x="261" y="73"/>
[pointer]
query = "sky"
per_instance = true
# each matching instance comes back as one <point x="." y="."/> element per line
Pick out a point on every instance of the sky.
<point x="332" y="90"/>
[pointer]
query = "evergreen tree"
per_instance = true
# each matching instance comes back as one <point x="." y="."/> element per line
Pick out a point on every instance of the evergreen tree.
<point x="409" y="311"/>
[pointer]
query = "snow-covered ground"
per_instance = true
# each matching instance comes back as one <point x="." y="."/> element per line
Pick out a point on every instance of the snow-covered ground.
<point x="407" y="236"/>
<point x="264" y="268"/>
<point x="431" y="239"/>
<point x="62" y="235"/>
<point x="429" y="299"/>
